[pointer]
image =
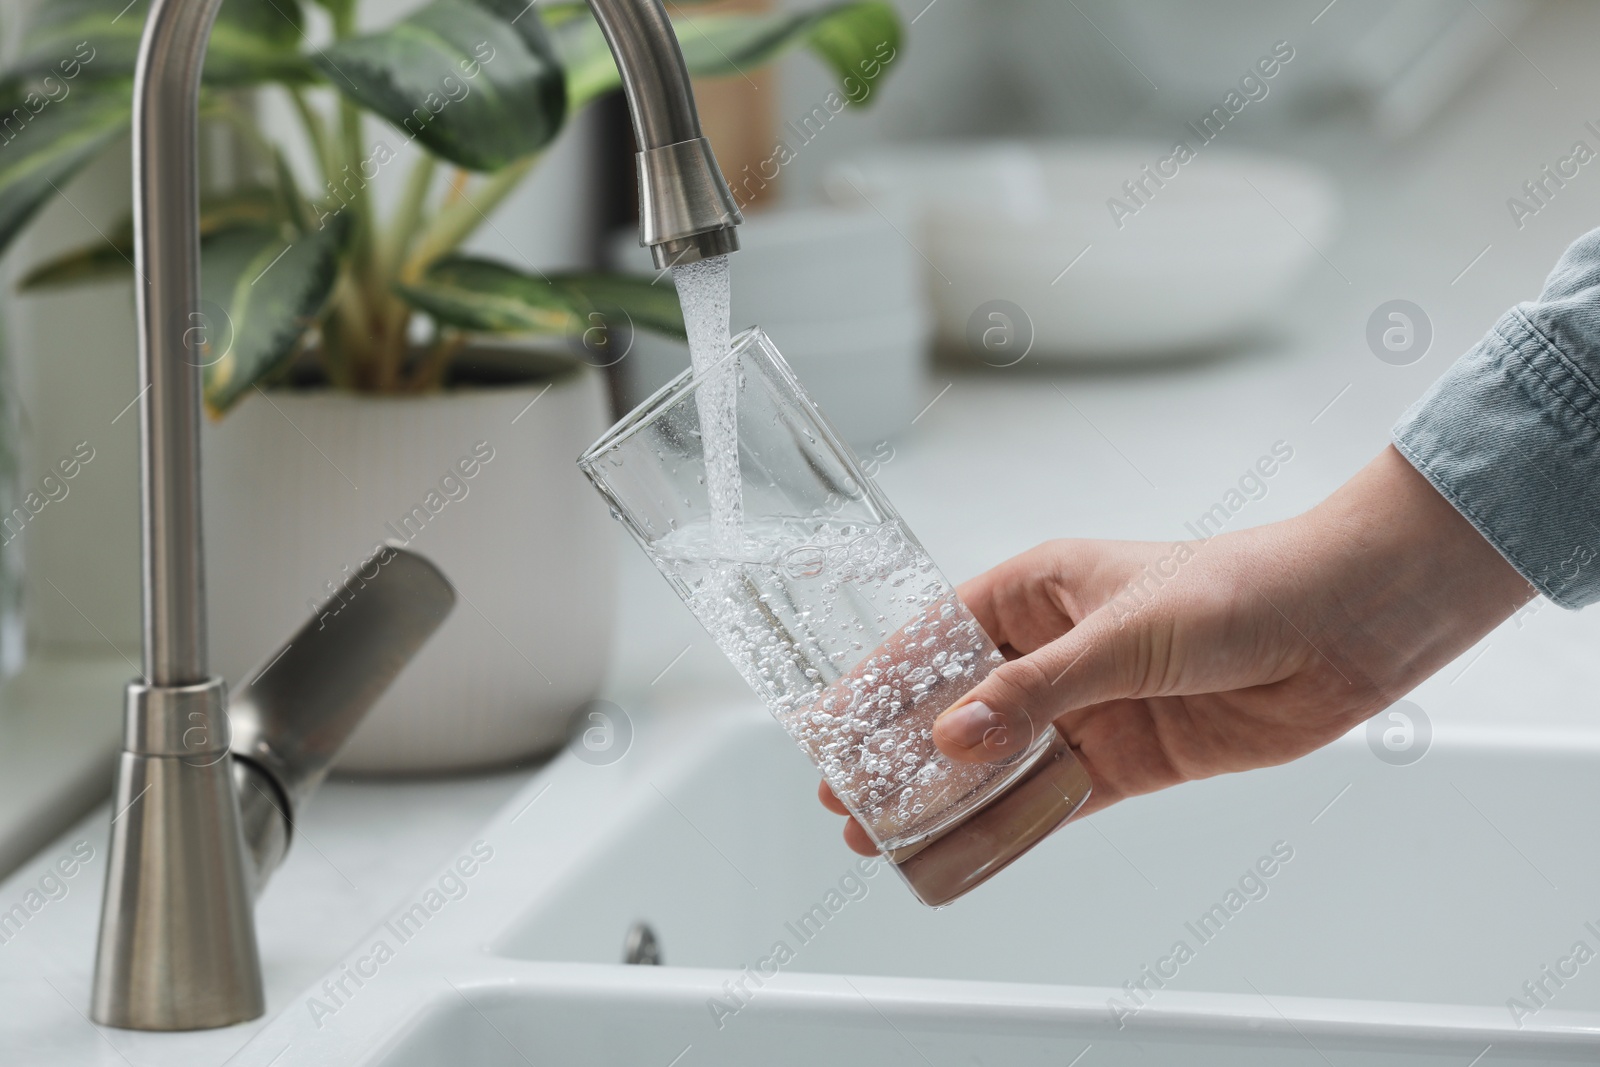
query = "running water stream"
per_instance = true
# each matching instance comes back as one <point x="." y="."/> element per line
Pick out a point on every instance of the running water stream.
<point x="705" y="293"/>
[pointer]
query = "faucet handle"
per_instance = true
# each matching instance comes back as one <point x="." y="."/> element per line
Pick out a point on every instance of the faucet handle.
<point x="292" y="717"/>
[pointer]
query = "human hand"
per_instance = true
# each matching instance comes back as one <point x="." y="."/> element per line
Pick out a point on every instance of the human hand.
<point x="1165" y="663"/>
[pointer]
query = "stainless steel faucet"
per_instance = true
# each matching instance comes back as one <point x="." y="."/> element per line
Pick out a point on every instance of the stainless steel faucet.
<point x="207" y="791"/>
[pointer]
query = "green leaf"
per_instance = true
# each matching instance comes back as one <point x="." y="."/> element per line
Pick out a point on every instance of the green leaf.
<point x="481" y="295"/>
<point x="559" y="12"/>
<point x="646" y="303"/>
<point x="859" y="40"/>
<point x="112" y="255"/>
<point x="260" y="291"/>
<point x="70" y="41"/>
<point x="477" y="82"/>
<point x="43" y="144"/>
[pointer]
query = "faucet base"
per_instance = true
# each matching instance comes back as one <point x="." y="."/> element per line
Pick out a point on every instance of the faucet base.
<point x="177" y="938"/>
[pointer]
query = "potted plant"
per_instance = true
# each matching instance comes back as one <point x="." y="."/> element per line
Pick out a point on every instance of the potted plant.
<point x="380" y="386"/>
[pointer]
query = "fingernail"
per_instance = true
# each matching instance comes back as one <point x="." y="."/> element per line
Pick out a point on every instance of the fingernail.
<point x="974" y="724"/>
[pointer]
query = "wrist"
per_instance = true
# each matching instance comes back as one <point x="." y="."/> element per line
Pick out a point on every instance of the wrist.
<point x="1413" y="583"/>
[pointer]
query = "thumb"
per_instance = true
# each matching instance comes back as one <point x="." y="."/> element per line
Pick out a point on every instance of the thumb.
<point x="1093" y="662"/>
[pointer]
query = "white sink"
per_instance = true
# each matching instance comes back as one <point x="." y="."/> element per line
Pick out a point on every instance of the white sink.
<point x="1415" y="902"/>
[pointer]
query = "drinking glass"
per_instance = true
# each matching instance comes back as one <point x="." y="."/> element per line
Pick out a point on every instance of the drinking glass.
<point x="833" y="613"/>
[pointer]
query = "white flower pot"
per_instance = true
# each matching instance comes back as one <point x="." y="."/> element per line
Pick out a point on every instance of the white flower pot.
<point x="303" y="484"/>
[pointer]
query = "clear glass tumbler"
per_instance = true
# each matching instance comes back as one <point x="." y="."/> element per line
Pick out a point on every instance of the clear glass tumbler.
<point x="835" y="616"/>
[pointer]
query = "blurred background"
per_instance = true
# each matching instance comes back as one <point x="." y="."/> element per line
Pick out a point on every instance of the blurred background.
<point x="1030" y="309"/>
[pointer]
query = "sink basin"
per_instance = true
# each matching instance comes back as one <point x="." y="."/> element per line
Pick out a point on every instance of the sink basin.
<point x="1338" y="910"/>
<point x="585" y="1016"/>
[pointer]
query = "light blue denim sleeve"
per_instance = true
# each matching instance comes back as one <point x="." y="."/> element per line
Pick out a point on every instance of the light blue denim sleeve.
<point x="1511" y="433"/>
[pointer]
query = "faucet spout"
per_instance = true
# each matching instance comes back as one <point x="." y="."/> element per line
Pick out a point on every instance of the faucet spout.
<point x="686" y="211"/>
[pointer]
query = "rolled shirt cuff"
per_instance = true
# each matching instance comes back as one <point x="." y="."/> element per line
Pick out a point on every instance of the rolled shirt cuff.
<point x="1510" y="435"/>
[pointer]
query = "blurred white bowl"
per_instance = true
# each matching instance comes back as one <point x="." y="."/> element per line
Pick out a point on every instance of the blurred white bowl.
<point x="1188" y="267"/>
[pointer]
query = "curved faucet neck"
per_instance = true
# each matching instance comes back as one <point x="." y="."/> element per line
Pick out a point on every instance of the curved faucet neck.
<point x="686" y="211"/>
